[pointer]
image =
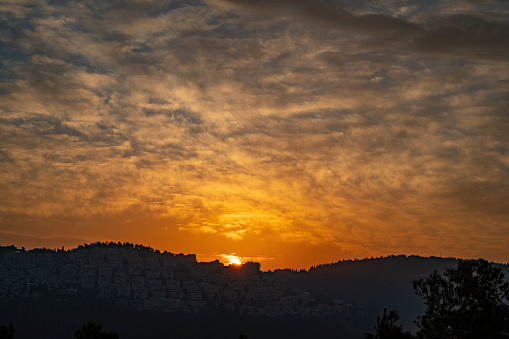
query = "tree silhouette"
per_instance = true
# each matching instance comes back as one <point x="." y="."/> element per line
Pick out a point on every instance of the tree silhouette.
<point x="469" y="301"/>
<point x="386" y="327"/>
<point x="7" y="332"/>
<point x="91" y="330"/>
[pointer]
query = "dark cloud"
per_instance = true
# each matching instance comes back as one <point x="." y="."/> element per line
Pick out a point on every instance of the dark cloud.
<point x="466" y="35"/>
<point x="4" y="156"/>
<point x="330" y="13"/>
<point x="469" y="35"/>
<point x="178" y="115"/>
<point x="43" y="125"/>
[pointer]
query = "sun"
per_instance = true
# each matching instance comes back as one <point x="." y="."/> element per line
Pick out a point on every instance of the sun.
<point x="233" y="260"/>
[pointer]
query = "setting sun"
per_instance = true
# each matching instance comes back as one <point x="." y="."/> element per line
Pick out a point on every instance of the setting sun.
<point x="232" y="260"/>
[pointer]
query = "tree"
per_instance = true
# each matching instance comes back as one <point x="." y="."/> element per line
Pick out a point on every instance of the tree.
<point x="91" y="330"/>
<point x="7" y="332"/>
<point x="386" y="327"/>
<point x="469" y="301"/>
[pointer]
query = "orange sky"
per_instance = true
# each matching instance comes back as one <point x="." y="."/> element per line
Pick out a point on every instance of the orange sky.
<point x="287" y="132"/>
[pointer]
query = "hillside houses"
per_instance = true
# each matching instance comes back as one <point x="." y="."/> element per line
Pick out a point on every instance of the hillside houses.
<point x="140" y="277"/>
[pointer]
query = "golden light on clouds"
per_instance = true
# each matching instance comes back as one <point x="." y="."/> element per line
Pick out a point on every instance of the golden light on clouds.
<point x="290" y="133"/>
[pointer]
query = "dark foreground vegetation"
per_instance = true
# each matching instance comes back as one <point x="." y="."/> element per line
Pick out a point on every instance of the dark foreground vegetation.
<point x="467" y="302"/>
<point x="91" y="330"/>
<point x="61" y="319"/>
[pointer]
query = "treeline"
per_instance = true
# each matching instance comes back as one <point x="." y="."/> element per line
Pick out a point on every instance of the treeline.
<point x="469" y="301"/>
<point x="97" y="244"/>
<point x="391" y="256"/>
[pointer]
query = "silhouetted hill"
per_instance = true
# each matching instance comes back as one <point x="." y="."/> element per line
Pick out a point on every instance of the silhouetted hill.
<point x="135" y="290"/>
<point x="378" y="282"/>
<point x="50" y="293"/>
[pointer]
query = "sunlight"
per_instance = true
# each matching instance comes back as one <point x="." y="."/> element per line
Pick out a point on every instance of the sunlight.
<point x="233" y="259"/>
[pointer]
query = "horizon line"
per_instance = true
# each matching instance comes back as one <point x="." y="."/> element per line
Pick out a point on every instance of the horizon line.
<point x="157" y="251"/>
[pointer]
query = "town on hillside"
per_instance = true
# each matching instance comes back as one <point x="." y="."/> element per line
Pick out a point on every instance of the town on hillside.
<point x="140" y="277"/>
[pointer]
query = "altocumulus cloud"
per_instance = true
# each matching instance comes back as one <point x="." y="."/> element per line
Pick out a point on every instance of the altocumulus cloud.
<point x="308" y="122"/>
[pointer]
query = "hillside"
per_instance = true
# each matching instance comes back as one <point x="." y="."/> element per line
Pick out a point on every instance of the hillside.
<point x="378" y="282"/>
<point x="51" y="292"/>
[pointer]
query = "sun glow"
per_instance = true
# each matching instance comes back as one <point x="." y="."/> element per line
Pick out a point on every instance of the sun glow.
<point x="232" y="259"/>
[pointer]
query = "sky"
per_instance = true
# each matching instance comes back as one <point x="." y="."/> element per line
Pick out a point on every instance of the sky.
<point x="288" y="132"/>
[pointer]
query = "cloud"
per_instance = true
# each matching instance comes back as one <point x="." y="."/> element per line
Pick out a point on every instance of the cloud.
<point x="332" y="14"/>
<point x="308" y="122"/>
<point x="450" y="32"/>
<point x="466" y="35"/>
<point x="42" y="125"/>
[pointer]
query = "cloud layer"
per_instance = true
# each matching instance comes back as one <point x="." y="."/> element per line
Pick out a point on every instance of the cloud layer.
<point x="265" y="127"/>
